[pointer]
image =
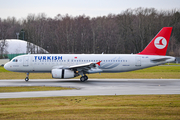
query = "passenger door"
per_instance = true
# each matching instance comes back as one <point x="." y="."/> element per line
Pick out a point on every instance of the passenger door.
<point x="26" y="61"/>
<point x="138" y="61"/>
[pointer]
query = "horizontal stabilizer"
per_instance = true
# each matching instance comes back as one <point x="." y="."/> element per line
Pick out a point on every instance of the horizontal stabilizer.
<point x="159" y="60"/>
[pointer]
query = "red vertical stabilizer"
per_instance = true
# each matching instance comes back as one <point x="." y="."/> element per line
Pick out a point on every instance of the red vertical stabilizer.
<point x="159" y="44"/>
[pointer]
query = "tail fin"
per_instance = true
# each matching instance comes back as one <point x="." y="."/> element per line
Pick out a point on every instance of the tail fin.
<point x="159" y="44"/>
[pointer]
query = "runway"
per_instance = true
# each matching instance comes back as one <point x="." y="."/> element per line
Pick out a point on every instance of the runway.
<point x="95" y="87"/>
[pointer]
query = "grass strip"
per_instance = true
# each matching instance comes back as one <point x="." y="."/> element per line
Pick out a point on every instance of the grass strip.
<point x="32" y="88"/>
<point x="92" y="107"/>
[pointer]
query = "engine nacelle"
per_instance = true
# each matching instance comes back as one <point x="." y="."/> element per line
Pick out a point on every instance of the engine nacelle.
<point x="62" y="73"/>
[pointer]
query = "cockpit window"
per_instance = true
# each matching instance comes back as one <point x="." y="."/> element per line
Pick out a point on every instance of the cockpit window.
<point x="15" y="60"/>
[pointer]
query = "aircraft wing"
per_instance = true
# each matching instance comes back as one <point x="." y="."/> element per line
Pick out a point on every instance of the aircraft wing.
<point x="87" y="65"/>
<point x="86" y="68"/>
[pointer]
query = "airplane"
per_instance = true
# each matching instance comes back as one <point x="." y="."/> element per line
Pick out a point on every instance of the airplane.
<point x="64" y="66"/>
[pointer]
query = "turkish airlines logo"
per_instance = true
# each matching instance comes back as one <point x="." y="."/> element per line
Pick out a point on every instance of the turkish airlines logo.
<point x="160" y="42"/>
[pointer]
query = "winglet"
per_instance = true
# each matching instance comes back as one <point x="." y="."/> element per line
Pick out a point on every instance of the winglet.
<point x="98" y="63"/>
<point x="159" y="44"/>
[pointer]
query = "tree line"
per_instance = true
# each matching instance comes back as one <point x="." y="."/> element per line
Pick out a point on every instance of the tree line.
<point x="127" y="32"/>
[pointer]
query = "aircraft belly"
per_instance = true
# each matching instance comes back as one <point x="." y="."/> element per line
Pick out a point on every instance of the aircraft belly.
<point x="40" y="69"/>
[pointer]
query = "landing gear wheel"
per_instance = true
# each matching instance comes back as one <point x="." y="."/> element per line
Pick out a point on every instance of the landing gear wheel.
<point x="84" y="78"/>
<point x="26" y="79"/>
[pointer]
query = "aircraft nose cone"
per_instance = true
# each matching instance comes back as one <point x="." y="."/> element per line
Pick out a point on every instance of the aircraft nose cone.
<point x="6" y="66"/>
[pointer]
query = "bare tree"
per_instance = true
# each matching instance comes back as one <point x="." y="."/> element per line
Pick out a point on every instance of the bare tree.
<point x="127" y="32"/>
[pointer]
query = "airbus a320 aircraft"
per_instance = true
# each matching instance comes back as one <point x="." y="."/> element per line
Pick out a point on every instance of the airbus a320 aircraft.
<point x="64" y="66"/>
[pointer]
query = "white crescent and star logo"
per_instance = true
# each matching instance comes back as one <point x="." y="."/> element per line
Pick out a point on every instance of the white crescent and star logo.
<point x="160" y="42"/>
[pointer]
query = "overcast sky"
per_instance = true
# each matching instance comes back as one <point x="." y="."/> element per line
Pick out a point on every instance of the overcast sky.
<point x="92" y="8"/>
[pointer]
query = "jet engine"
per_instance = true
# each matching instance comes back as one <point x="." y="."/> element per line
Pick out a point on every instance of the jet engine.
<point x="62" y="73"/>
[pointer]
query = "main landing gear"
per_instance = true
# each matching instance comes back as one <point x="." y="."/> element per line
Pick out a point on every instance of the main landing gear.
<point x="27" y="77"/>
<point x="84" y="78"/>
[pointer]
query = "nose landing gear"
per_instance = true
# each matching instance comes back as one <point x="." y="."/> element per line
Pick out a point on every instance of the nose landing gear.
<point x="27" y="77"/>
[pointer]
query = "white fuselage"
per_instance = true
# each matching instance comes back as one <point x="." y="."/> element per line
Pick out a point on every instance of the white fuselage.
<point x="109" y="62"/>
